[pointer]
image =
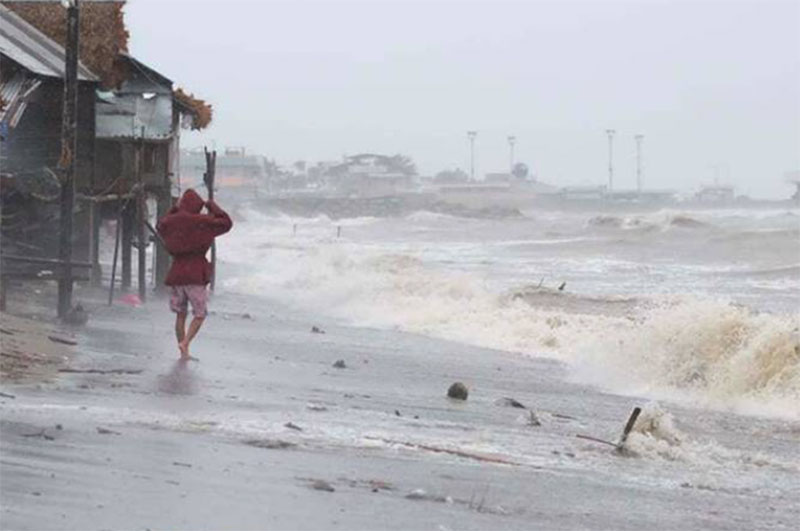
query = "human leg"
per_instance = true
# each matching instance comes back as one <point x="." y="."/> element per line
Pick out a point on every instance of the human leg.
<point x="180" y="326"/>
<point x="198" y="297"/>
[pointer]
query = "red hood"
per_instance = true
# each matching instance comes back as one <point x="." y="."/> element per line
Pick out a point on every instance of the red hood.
<point x="191" y="202"/>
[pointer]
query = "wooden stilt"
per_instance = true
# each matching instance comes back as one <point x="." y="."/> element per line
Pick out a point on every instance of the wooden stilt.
<point x="114" y="262"/>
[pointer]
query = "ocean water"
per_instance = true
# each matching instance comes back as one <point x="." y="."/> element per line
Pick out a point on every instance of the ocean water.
<point x="696" y="307"/>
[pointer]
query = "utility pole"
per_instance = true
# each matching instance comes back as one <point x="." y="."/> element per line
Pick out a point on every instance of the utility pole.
<point x="511" y="141"/>
<point x="471" y="135"/>
<point x="610" y="133"/>
<point x="639" y="139"/>
<point x="67" y="162"/>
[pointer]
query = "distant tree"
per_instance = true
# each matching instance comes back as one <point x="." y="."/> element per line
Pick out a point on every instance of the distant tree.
<point x="520" y="170"/>
<point x="451" y="176"/>
<point x="401" y="164"/>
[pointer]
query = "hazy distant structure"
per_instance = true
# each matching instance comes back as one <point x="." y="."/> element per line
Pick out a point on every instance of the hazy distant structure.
<point x="471" y="136"/>
<point x="639" y="138"/>
<point x="511" y="141"/>
<point x="610" y="133"/>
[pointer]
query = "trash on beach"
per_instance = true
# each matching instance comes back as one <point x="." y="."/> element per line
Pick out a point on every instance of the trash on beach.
<point x="42" y="434"/>
<point x="62" y="340"/>
<point x="620" y="445"/>
<point x="458" y="391"/>
<point x="317" y="330"/>
<point x="292" y="426"/>
<point x="270" y="444"/>
<point x="101" y="371"/>
<point x="316" y="407"/>
<point x="321" y="484"/>
<point x="533" y="420"/>
<point x="510" y="402"/>
<point x="421" y="494"/>
<point x="339" y="364"/>
<point x="131" y="299"/>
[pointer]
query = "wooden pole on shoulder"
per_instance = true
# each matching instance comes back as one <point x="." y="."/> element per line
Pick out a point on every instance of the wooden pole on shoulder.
<point x="208" y="178"/>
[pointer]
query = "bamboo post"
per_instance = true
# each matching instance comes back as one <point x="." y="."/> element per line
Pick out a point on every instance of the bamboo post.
<point x="116" y="252"/>
<point x="141" y="207"/>
<point x="208" y="178"/>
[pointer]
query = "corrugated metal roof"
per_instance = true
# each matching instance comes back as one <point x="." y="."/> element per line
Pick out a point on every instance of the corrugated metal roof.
<point x="15" y="92"/>
<point x="32" y="49"/>
<point x="122" y="116"/>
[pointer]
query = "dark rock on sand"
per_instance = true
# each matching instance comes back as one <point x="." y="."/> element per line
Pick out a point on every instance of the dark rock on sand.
<point x="317" y="330"/>
<point x="458" y="391"/>
<point x="339" y="364"/>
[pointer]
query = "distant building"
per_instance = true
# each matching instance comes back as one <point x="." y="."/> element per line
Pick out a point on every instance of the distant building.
<point x="238" y="173"/>
<point x="370" y="175"/>
<point x="715" y="194"/>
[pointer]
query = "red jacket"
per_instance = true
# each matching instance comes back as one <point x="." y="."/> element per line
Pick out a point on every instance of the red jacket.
<point x="188" y="235"/>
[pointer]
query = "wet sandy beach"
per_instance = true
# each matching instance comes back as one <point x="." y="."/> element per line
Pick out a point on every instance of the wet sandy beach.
<point x="264" y="433"/>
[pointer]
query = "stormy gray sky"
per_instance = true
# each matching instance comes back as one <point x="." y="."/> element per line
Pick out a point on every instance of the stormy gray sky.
<point x="713" y="85"/>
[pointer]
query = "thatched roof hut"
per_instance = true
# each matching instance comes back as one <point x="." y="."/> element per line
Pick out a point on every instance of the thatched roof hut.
<point x="103" y="42"/>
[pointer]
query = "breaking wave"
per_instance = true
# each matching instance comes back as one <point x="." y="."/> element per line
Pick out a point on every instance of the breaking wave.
<point x="660" y="221"/>
<point x="709" y="352"/>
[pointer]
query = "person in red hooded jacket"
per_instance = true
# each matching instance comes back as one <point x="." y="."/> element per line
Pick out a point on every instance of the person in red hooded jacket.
<point x="187" y="235"/>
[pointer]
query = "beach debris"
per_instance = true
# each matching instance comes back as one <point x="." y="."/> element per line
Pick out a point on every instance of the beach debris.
<point x="562" y="286"/>
<point x="247" y="316"/>
<point x="270" y="444"/>
<point x="562" y="416"/>
<point x="101" y="371"/>
<point x="316" y="407"/>
<point x="628" y="427"/>
<point x="59" y="427"/>
<point x="106" y="431"/>
<point x="6" y="332"/>
<point x="486" y="458"/>
<point x="321" y="484"/>
<point x="397" y="413"/>
<point x="62" y="340"/>
<point x="620" y="445"/>
<point x="510" y="402"/>
<point x="42" y="434"/>
<point x="292" y="426"/>
<point x="179" y="463"/>
<point x="77" y="316"/>
<point x="458" y="391"/>
<point x="422" y="494"/>
<point x="317" y="330"/>
<point x="533" y="420"/>
<point x="339" y="364"/>
<point x="131" y="299"/>
<point x="6" y="395"/>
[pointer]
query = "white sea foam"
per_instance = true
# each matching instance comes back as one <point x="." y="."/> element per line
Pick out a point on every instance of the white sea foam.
<point x="710" y="352"/>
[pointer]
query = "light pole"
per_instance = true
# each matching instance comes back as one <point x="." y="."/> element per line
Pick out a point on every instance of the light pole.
<point x="610" y="133"/>
<point x="471" y="135"/>
<point x="639" y="138"/>
<point x="511" y="141"/>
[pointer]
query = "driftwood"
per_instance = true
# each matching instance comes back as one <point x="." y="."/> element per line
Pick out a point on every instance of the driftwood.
<point x="102" y="371"/>
<point x="620" y="446"/>
<point x="63" y="341"/>
<point x="440" y="450"/>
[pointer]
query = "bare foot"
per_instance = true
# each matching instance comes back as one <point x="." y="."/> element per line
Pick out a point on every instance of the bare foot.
<point x="184" y="348"/>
